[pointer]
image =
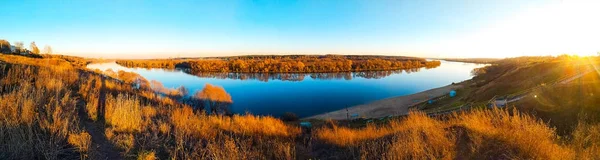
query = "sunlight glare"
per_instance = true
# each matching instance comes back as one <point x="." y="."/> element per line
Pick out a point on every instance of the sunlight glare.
<point x="567" y="27"/>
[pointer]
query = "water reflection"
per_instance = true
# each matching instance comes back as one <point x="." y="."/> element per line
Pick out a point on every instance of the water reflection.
<point x="265" y="77"/>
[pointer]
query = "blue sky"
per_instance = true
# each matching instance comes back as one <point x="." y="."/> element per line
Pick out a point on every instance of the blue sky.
<point x="435" y="28"/>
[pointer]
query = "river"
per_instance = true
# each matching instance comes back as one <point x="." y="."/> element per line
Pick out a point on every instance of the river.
<point x="308" y="94"/>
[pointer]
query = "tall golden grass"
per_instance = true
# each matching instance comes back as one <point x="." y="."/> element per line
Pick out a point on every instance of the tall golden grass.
<point x="82" y="141"/>
<point x="479" y="134"/>
<point x="245" y="137"/>
<point x="37" y="111"/>
<point x="124" y="113"/>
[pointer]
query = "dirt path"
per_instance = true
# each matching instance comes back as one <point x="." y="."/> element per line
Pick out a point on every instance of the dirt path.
<point x="102" y="148"/>
<point x="391" y="106"/>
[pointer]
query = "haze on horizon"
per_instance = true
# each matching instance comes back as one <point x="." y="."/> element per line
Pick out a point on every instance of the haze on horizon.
<point x="437" y="28"/>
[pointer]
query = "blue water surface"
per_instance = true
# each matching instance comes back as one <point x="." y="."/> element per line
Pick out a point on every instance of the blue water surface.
<point x="308" y="96"/>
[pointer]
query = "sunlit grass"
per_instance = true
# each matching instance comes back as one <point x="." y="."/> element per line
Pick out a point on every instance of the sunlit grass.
<point x="483" y="134"/>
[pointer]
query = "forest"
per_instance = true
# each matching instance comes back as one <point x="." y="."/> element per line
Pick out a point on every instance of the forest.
<point x="286" y="64"/>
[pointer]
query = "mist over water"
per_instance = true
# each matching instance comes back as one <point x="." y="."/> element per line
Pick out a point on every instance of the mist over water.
<point x="307" y="94"/>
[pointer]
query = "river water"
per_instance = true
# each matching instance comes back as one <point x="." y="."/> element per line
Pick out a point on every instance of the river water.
<point x="308" y="94"/>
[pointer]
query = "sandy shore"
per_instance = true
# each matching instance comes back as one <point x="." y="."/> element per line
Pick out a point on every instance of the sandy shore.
<point x="390" y="106"/>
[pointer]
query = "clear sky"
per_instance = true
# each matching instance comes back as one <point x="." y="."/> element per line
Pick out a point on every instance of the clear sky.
<point x="431" y="28"/>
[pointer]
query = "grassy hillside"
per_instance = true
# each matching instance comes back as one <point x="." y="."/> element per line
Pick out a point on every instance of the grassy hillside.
<point x="53" y="108"/>
<point x="566" y="106"/>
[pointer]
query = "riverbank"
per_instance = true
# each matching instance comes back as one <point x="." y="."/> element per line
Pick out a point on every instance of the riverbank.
<point x="389" y="106"/>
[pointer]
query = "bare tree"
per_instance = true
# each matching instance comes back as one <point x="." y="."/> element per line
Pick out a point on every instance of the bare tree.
<point x="34" y="48"/>
<point x="19" y="47"/>
<point x="47" y="49"/>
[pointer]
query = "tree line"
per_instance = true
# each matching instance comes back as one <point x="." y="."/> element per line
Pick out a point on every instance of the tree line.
<point x="286" y="64"/>
<point x="18" y="48"/>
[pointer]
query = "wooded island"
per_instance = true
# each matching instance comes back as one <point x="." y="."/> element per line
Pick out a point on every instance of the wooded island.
<point x="286" y="63"/>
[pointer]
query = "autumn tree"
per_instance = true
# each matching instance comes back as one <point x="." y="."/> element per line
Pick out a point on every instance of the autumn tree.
<point x="239" y="66"/>
<point x="216" y="98"/>
<point x="300" y="66"/>
<point x="34" y="48"/>
<point x="4" y="46"/>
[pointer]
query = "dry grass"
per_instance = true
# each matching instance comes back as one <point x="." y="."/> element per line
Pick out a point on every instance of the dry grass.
<point x="124" y="141"/>
<point x="90" y="91"/>
<point x="82" y="141"/>
<point x="205" y="126"/>
<point x="512" y="135"/>
<point x="37" y="111"/>
<point x="343" y="136"/>
<point x="481" y="134"/>
<point x="421" y="137"/>
<point x="124" y="113"/>
<point x="586" y="141"/>
<point x="254" y="125"/>
<point x="147" y="155"/>
<point x="187" y="123"/>
<point x="237" y="137"/>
